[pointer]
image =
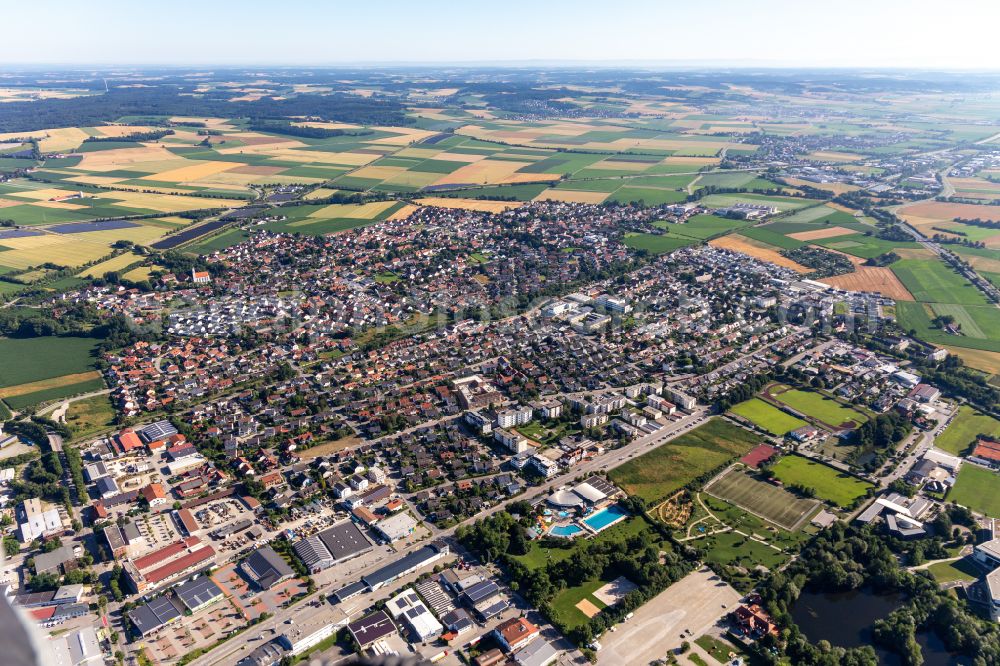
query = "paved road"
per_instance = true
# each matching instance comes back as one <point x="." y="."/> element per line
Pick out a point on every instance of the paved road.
<point x="232" y="651"/>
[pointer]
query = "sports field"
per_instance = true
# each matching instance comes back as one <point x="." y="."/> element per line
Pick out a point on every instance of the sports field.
<point x="654" y="475"/>
<point x="818" y="406"/>
<point x="767" y="416"/>
<point x="977" y="488"/>
<point x="964" y="427"/>
<point x="762" y="499"/>
<point x="830" y="484"/>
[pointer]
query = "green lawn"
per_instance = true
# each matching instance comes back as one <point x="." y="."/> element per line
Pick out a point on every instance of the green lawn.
<point x="702" y="226"/>
<point x="731" y="548"/>
<point x="33" y="359"/>
<point x="90" y="416"/>
<point x="564" y="604"/>
<point x="654" y="475"/>
<point x="767" y="416"/>
<point x="964" y="427"/>
<point x="820" y="407"/>
<point x="947" y="572"/>
<point x="983" y="333"/>
<point x="830" y="484"/>
<point x="977" y="488"/>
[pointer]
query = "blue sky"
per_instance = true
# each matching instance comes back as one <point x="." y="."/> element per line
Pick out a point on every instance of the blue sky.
<point x="874" y="33"/>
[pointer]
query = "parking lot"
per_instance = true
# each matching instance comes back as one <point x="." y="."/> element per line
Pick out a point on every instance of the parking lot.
<point x="684" y="611"/>
<point x="250" y="603"/>
<point x="190" y="633"/>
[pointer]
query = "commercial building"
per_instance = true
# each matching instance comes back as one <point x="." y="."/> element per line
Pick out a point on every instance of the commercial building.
<point x="335" y="544"/>
<point x="417" y="559"/>
<point x="536" y="653"/>
<point x="155" y="614"/>
<point x="180" y="557"/>
<point x="397" y="527"/>
<point x="407" y="608"/>
<point x="77" y="648"/>
<point x="198" y="593"/>
<point x="36" y="519"/>
<point x="266" y="568"/>
<point x="371" y="629"/>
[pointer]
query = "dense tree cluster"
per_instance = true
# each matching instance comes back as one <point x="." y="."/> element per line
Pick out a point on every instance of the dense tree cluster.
<point x="844" y="558"/>
<point x="500" y="538"/>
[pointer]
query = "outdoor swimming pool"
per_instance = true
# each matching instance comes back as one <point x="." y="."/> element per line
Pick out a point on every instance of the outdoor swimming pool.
<point x="565" y="530"/>
<point x="605" y="517"/>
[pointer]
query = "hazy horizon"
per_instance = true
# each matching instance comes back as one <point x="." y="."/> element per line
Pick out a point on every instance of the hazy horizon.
<point x="851" y="34"/>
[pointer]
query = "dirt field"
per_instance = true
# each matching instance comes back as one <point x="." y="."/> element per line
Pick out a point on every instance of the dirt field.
<point x="836" y="188"/>
<point x="756" y="250"/>
<point x="871" y="278"/>
<point x="695" y="602"/>
<point x="826" y="232"/>
<point x="939" y="211"/>
<point x="403" y="212"/>
<point x="470" y="204"/>
<point x="588" y="608"/>
<point x="572" y="196"/>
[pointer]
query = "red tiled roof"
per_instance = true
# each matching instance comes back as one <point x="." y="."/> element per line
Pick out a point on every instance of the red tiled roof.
<point x="180" y="564"/>
<point x="165" y="553"/>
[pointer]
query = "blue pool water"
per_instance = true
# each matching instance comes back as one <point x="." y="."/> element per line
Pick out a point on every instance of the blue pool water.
<point x="564" y="514"/>
<point x="565" y="530"/>
<point x="605" y="517"/>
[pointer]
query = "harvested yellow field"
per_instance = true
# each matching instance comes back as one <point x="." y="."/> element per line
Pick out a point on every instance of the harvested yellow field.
<point x="121" y="158"/>
<point x="690" y="161"/>
<point x="470" y="204"/>
<point x="45" y="384"/>
<point x="485" y="172"/>
<point x="46" y="194"/>
<point x="927" y="212"/>
<point x="138" y="274"/>
<point x="95" y="180"/>
<point x="836" y="188"/>
<point x="113" y="264"/>
<point x="871" y="279"/>
<point x="976" y="184"/>
<point x="124" y="130"/>
<point x="572" y="196"/>
<point x="199" y="169"/>
<point x="412" y="178"/>
<point x="320" y="193"/>
<point x="757" y="250"/>
<point x="403" y="136"/>
<point x="826" y="232"/>
<point x="52" y="248"/>
<point x="459" y="157"/>
<point x="986" y="361"/>
<point x="368" y="211"/>
<point x="404" y="212"/>
<point x="62" y="205"/>
<point x="267" y="145"/>
<point x="620" y="165"/>
<point x="982" y="263"/>
<point x="417" y="152"/>
<point x="141" y="234"/>
<point x="171" y="203"/>
<point x="832" y="156"/>
<point x="7" y="203"/>
<point x="842" y="209"/>
<point x="378" y="172"/>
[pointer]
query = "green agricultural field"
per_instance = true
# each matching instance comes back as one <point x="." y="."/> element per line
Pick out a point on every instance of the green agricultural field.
<point x="657" y="244"/>
<point x="762" y="499"/>
<point x="862" y="245"/>
<point x="964" y="427"/>
<point x="648" y="195"/>
<point x="930" y="281"/>
<point x="33" y="359"/>
<point x="818" y="406"/>
<point x="977" y="488"/>
<point x="980" y="324"/>
<point x="654" y="475"/>
<point x="703" y="227"/>
<point x="766" y="235"/>
<point x="37" y="397"/>
<point x="830" y="484"/>
<point x="767" y="416"/>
